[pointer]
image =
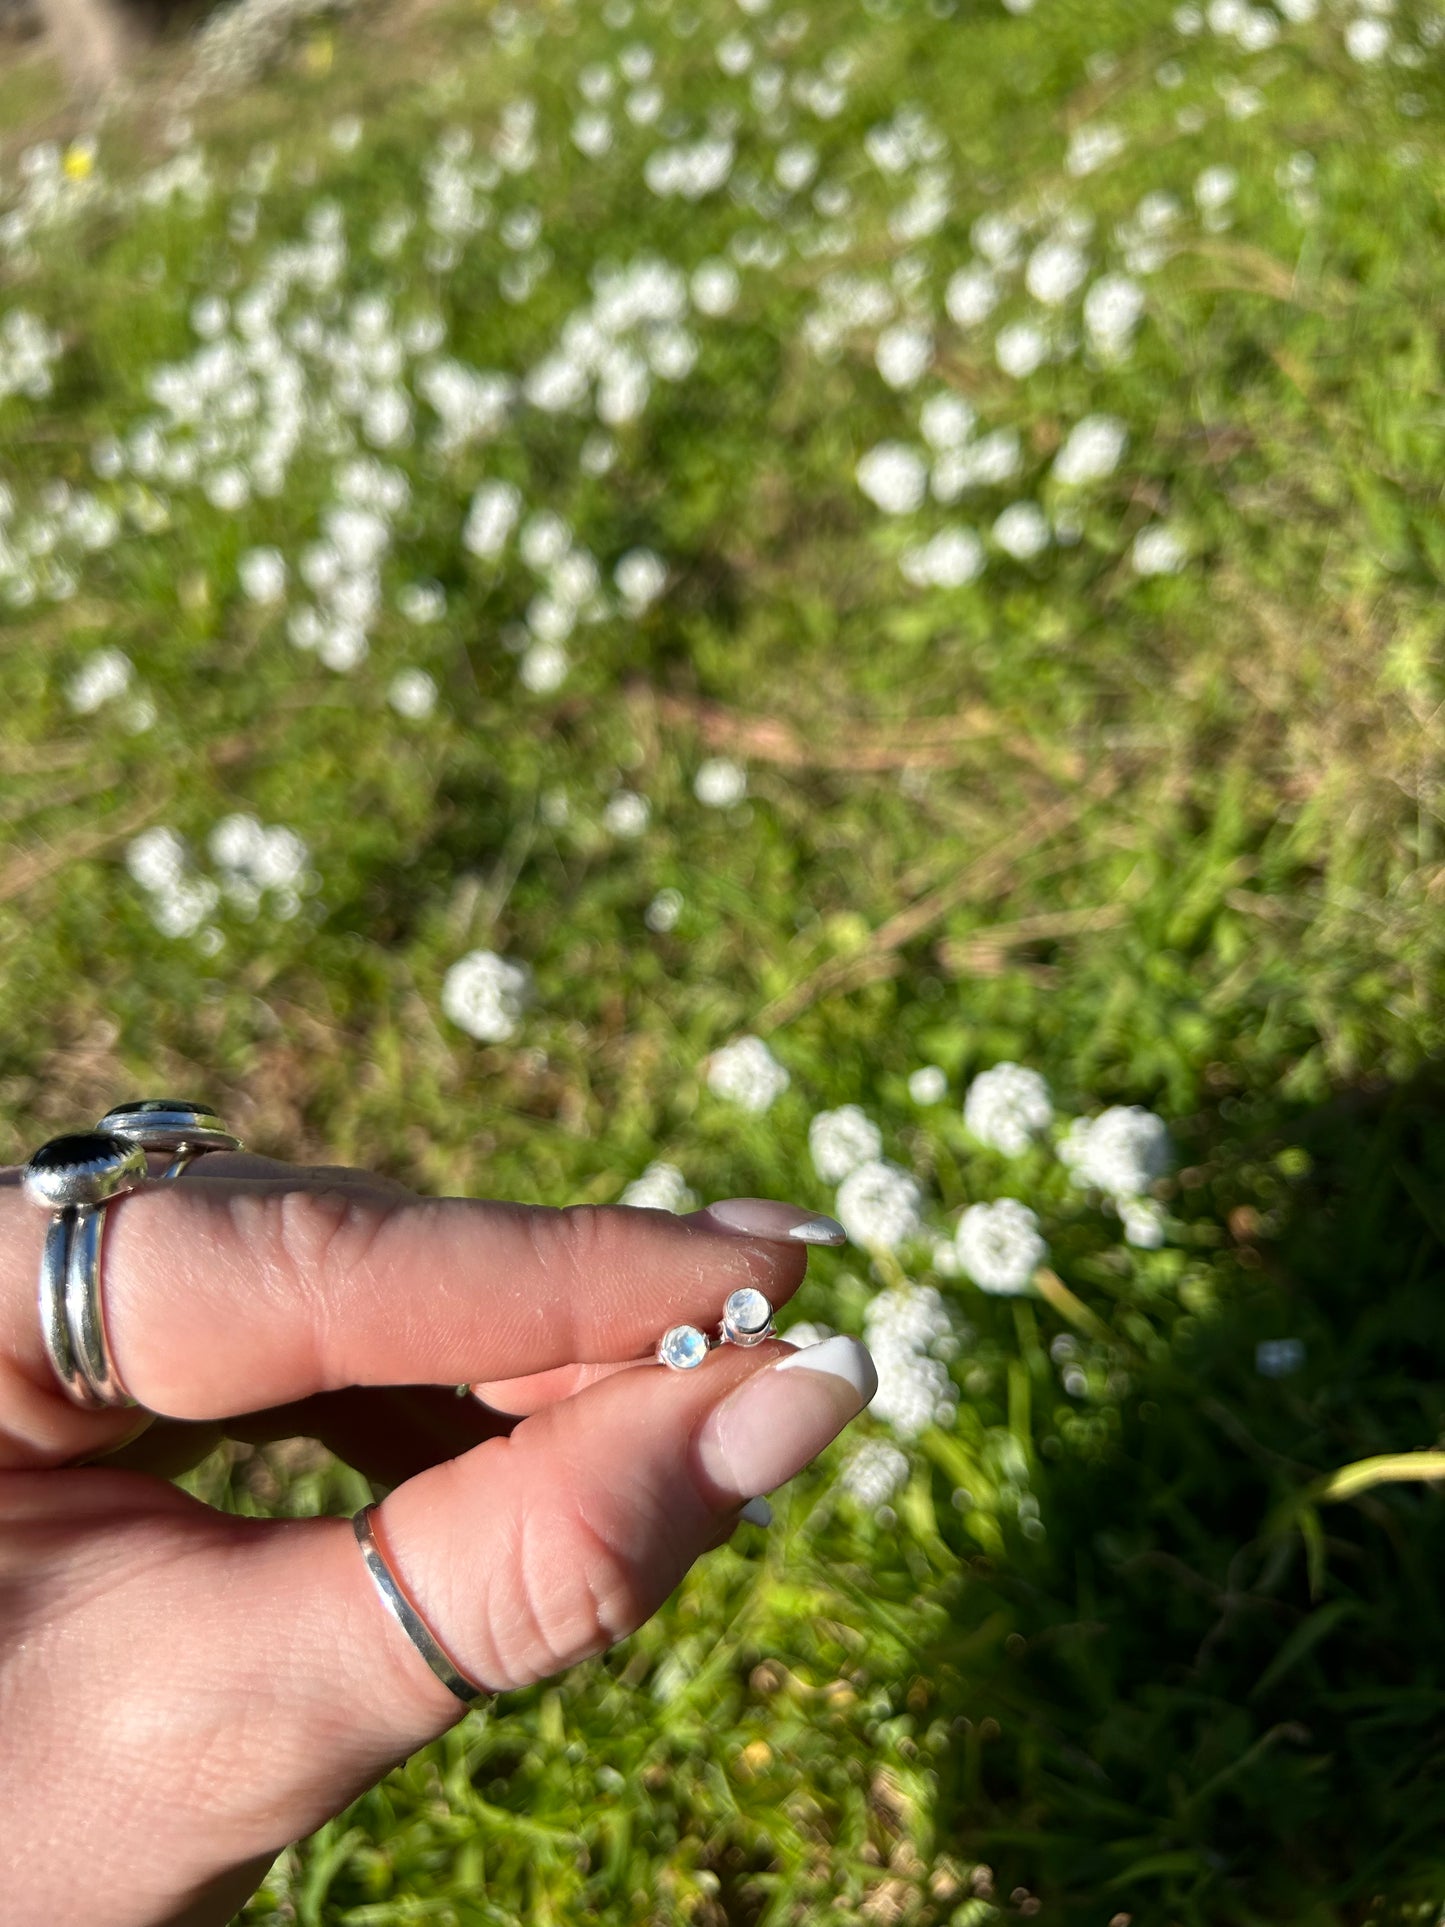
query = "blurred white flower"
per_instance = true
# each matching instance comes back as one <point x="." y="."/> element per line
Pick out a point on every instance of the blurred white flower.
<point x="1367" y="40"/>
<point x="412" y="693"/>
<point x="262" y="574"/>
<point x="894" y="477"/>
<point x="1093" y="146"/>
<point x="1020" y="348"/>
<point x="486" y="995"/>
<point x="928" y="1084"/>
<point x="715" y="288"/>
<point x="156" y="859"/>
<point x="993" y="458"/>
<point x="880" y="1205"/>
<point x="1143" y="1223"/>
<point x="971" y="295"/>
<point x="1093" y="451"/>
<point x="1113" y="308"/>
<point x="422" y="602"/>
<point x="841" y="1140"/>
<point x="947" y="560"/>
<point x="997" y="237"/>
<point x="626" y="813"/>
<point x="1214" y="187"/>
<point x="904" y="353"/>
<point x="662" y="913"/>
<point x="100" y="679"/>
<point x="494" y="513"/>
<point x="1022" y="531"/>
<point x="1055" y="271"/>
<point x="1000" y="1246"/>
<point x="1007" y="1107"/>
<point x="662" y="1187"/>
<point x="911" y="1336"/>
<point x="544" y="667"/>
<point x="1122" y="1152"/>
<point x="641" y="578"/>
<point x="873" y="1472"/>
<point x="946" y="421"/>
<point x="747" y="1074"/>
<point x="720" y="783"/>
<point x="1157" y="550"/>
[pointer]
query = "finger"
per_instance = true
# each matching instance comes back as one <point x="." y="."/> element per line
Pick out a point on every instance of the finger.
<point x="288" y="1686"/>
<point x="224" y="1296"/>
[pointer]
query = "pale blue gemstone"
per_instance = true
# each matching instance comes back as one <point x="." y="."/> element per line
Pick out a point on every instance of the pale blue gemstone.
<point x="683" y="1347"/>
<point x="747" y="1310"/>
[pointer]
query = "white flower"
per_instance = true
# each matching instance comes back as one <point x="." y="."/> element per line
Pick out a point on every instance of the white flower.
<point x="841" y="1140"/>
<point x="626" y="813"/>
<point x="720" y="783"/>
<point x="1122" y="1152"/>
<point x="1157" y="550"/>
<point x="873" y="1472"/>
<point x="262" y="574"/>
<point x="997" y="236"/>
<point x="904" y="353"/>
<point x="1020" y="348"/>
<point x="1007" y="1107"/>
<point x="1113" y="308"/>
<point x="412" y="694"/>
<point x="1092" y="451"/>
<point x="641" y="578"/>
<point x="946" y="421"/>
<point x="544" y="667"/>
<point x="486" y="994"/>
<point x="663" y="912"/>
<point x="662" y="1187"/>
<point x="795" y="166"/>
<point x="879" y="1205"/>
<point x="715" y="288"/>
<point x="1143" y="1223"/>
<point x="1022" y="531"/>
<point x="992" y="459"/>
<point x="948" y="560"/>
<point x="156" y="859"/>
<point x="893" y="477"/>
<point x="1055" y="271"/>
<point x="910" y="1335"/>
<point x="1093" y="146"/>
<point x="1000" y="1246"/>
<point x="928" y="1084"/>
<point x="1367" y="40"/>
<point x="747" y="1074"/>
<point x="592" y="133"/>
<point x="1214" y="187"/>
<point x="971" y="295"/>
<point x="100" y="679"/>
<point x="493" y="515"/>
<point x="422" y="602"/>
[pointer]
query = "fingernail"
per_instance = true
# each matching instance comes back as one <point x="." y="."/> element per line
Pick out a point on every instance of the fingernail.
<point x="766" y="1218"/>
<point x="783" y="1416"/>
<point x="757" y="1512"/>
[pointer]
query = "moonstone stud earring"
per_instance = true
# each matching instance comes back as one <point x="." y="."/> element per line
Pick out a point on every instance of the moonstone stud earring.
<point x="682" y="1348"/>
<point x="747" y="1317"/>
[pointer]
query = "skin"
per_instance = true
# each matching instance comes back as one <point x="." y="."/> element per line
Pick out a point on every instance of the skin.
<point x="237" y="1681"/>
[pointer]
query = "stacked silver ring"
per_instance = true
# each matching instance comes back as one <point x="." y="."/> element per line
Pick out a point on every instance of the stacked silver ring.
<point x="747" y="1319"/>
<point x="74" y="1178"/>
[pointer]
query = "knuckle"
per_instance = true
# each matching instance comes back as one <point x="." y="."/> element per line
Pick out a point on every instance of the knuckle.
<point x="574" y="1241"/>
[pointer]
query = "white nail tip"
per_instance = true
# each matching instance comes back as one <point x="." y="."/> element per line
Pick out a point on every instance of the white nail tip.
<point x="757" y="1512"/>
<point x="839" y="1357"/>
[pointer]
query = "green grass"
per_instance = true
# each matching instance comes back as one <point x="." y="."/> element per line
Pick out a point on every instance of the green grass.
<point x="1173" y="841"/>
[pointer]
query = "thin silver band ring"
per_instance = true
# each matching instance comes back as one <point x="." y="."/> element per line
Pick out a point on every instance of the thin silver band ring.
<point x="411" y="1621"/>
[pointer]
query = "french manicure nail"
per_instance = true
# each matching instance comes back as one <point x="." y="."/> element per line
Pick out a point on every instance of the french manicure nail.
<point x="766" y="1218"/>
<point x="757" y="1512"/>
<point x="783" y="1416"/>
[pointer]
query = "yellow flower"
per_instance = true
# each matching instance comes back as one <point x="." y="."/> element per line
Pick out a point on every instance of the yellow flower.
<point x="79" y="162"/>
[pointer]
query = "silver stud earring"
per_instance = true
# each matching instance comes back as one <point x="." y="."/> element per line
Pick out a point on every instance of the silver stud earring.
<point x="747" y="1318"/>
<point x="682" y="1348"/>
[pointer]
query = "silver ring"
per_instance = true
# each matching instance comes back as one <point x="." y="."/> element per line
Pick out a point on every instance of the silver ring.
<point x="171" y="1124"/>
<point x="75" y="1177"/>
<point x="410" y="1620"/>
<point x="747" y="1318"/>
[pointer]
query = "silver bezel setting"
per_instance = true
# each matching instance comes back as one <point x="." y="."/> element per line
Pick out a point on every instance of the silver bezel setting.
<point x="740" y="1324"/>
<point x="169" y="1124"/>
<point x="82" y="1168"/>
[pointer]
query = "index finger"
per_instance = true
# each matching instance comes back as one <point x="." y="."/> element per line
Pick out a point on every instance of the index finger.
<point x="225" y="1295"/>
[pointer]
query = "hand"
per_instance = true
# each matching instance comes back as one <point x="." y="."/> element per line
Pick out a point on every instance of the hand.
<point x="182" y="1692"/>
